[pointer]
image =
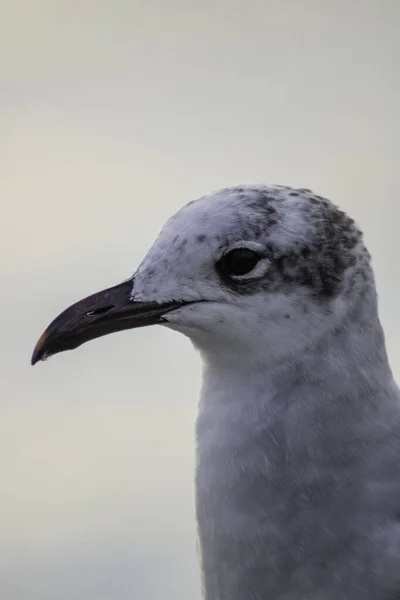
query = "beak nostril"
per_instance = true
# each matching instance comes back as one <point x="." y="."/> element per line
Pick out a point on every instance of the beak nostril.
<point x="99" y="311"/>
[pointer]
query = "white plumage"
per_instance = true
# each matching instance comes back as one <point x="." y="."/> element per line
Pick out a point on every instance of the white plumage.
<point x="298" y="433"/>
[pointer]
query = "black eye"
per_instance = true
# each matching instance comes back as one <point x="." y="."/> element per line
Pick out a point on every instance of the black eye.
<point x="238" y="261"/>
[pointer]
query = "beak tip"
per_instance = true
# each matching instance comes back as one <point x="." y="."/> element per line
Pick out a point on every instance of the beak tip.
<point x="35" y="358"/>
<point x="38" y="352"/>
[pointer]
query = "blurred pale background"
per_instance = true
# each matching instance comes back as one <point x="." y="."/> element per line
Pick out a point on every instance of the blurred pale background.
<point x="113" y="115"/>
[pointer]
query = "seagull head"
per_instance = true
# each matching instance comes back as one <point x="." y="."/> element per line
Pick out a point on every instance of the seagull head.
<point x="247" y="273"/>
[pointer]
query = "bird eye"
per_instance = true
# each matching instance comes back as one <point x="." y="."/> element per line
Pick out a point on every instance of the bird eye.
<point x="239" y="261"/>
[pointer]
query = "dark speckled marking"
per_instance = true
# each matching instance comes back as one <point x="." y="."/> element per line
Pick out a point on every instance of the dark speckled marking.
<point x="192" y="202"/>
<point x="201" y="238"/>
<point x="182" y="244"/>
<point x="318" y="263"/>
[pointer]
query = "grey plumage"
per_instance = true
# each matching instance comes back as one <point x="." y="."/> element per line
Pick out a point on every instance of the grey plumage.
<point x="298" y="432"/>
<point x="298" y="474"/>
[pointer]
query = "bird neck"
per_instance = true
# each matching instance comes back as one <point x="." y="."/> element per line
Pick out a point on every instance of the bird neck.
<point x="263" y="431"/>
<point x="349" y="362"/>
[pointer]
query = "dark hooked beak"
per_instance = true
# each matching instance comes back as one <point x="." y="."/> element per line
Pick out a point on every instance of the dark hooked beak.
<point x="108" y="311"/>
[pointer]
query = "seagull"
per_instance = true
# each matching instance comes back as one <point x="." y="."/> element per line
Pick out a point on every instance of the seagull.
<point x="298" y="428"/>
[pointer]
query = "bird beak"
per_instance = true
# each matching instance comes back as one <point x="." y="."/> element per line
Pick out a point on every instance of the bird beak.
<point x="110" y="310"/>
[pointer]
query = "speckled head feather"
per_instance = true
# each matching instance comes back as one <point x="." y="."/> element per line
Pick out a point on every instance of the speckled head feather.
<point x="312" y="267"/>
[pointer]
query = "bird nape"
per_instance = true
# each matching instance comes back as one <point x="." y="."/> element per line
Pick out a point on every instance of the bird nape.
<point x="298" y="431"/>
